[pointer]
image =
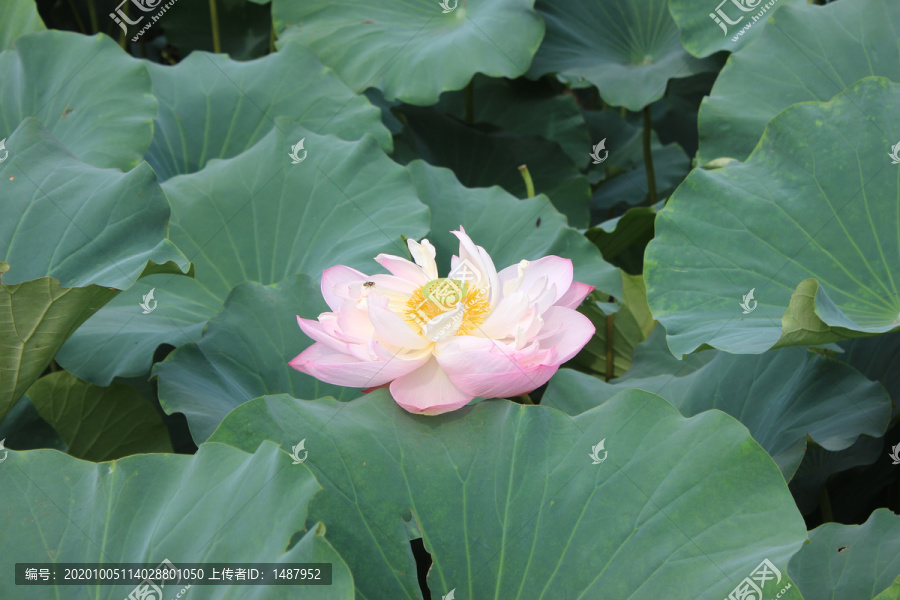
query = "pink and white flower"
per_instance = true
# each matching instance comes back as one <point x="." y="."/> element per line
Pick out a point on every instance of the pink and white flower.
<point x="439" y="342"/>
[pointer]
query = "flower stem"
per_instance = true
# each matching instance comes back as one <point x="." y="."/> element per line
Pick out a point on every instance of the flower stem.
<point x="610" y="335"/>
<point x="825" y="507"/>
<point x="526" y="399"/>
<point x="529" y="184"/>
<point x="648" y="155"/>
<point x="92" y="11"/>
<point x="214" y="21"/>
<point x="470" y="102"/>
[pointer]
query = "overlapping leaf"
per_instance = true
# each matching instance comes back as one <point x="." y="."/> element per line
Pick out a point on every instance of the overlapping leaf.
<point x="18" y="17"/>
<point x="256" y="217"/>
<point x="220" y="505"/>
<point x="91" y="96"/>
<point x="709" y="26"/>
<point x="99" y="423"/>
<point x="214" y="107"/>
<point x="71" y="235"/>
<point x="851" y="562"/>
<point x="809" y="228"/>
<point x="244" y="354"/>
<point x="810" y="53"/>
<point x="509" y="502"/>
<point x="781" y="396"/>
<point x="410" y="49"/>
<point x="629" y="49"/>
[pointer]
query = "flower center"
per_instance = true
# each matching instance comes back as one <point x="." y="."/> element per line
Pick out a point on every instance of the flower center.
<point x="445" y="307"/>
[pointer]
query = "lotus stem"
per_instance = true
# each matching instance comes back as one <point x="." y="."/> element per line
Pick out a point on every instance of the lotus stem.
<point x="526" y="399"/>
<point x="622" y="112"/>
<point x="648" y="155"/>
<point x="272" y="39"/>
<point x="529" y="184"/>
<point x="92" y="11"/>
<point x="214" y="21"/>
<point x="470" y="102"/>
<point x="78" y="20"/>
<point x="610" y="339"/>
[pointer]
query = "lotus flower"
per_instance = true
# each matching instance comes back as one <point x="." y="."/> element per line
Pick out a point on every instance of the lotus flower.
<point x="440" y="342"/>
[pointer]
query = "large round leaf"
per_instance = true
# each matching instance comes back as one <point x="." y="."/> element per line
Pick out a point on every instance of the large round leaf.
<point x="214" y="107"/>
<point x="91" y="96"/>
<point x="850" y="562"/>
<point x="220" y="505"/>
<point x="629" y="49"/>
<point x="244" y="354"/>
<point x="412" y="49"/>
<point x="255" y="217"/>
<point x="509" y="504"/>
<point x="99" y="423"/>
<point x="18" y="17"/>
<point x="809" y="224"/>
<point x="782" y="397"/>
<point x="708" y="26"/>
<point x="810" y="53"/>
<point x="71" y="235"/>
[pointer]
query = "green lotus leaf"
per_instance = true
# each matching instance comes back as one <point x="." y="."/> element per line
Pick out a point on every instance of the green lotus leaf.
<point x="622" y="240"/>
<point x="714" y="25"/>
<point x="244" y="28"/>
<point x="799" y="237"/>
<point x="255" y="217"/>
<point x="781" y="396"/>
<point x="71" y="236"/>
<point x="97" y="423"/>
<point x="244" y="354"/>
<point x="219" y="505"/>
<point x="631" y="324"/>
<point x="850" y="562"/>
<point x="527" y="108"/>
<point x="18" y="17"/>
<point x="413" y="50"/>
<point x="811" y="53"/>
<point x="91" y="96"/>
<point x="629" y="49"/>
<point x="24" y="429"/>
<point x="509" y="502"/>
<point x="483" y="156"/>
<point x="878" y="359"/>
<point x="509" y="229"/>
<point x="214" y="107"/>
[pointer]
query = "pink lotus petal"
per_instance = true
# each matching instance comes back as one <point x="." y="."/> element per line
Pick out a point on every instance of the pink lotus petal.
<point x="392" y="329"/>
<point x="569" y="331"/>
<point x="338" y="368"/>
<point x="491" y="372"/>
<point x="575" y="295"/>
<point x="481" y="260"/>
<point x="403" y="269"/>
<point x="428" y="391"/>
<point x="336" y="284"/>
